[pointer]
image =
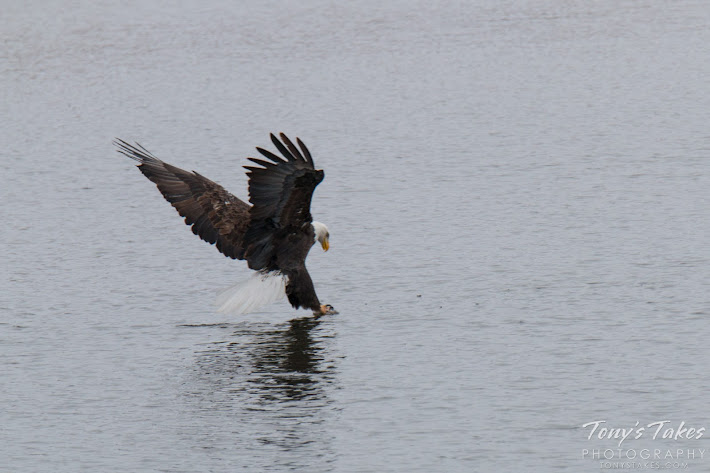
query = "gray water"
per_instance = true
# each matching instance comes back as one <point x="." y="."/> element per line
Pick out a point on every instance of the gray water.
<point x="517" y="194"/>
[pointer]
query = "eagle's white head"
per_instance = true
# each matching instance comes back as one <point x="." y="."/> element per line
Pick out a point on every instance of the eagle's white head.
<point x="322" y="235"/>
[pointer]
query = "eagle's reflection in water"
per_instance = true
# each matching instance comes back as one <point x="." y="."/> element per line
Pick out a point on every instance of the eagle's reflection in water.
<point x="270" y="384"/>
<point x="289" y="364"/>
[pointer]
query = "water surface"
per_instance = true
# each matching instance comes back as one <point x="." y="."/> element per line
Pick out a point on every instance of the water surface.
<point x="517" y="195"/>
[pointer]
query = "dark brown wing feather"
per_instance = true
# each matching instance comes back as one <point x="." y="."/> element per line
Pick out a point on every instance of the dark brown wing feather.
<point x="280" y="233"/>
<point x="214" y="214"/>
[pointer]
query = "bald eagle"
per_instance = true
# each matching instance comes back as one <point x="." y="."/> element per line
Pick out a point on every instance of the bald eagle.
<point x="274" y="234"/>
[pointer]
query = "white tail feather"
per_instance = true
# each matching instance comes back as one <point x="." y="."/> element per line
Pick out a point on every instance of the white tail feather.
<point x="252" y="294"/>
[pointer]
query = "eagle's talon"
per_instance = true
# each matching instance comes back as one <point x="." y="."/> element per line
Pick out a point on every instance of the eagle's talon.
<point x="326" y="309"/>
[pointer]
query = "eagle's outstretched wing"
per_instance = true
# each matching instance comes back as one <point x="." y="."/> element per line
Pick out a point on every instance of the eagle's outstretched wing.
<point x="281" y="233"/>
<point x="214" y="214"/>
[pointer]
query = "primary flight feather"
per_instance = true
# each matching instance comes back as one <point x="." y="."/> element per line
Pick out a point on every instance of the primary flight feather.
<point x="274" y="234"/>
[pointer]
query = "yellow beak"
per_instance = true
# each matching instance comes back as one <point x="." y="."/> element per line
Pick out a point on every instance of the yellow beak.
<point x="325" y="244"/>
